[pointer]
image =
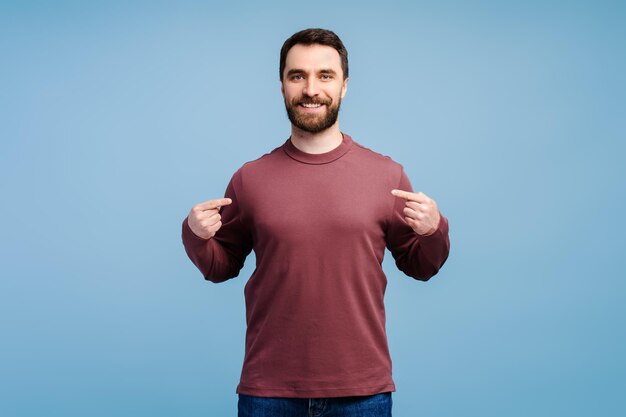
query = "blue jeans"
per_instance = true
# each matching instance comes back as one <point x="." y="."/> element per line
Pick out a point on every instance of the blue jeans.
<point x="378" y="405"/>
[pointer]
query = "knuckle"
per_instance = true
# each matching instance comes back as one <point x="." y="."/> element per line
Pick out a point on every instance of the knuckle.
<point x="216" y="226"/>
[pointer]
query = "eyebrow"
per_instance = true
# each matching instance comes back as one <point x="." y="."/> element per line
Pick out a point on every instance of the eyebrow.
<point x="296" y="71"/>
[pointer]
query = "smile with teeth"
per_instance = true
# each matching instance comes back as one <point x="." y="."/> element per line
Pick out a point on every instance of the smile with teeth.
<point x="311" y="105"/>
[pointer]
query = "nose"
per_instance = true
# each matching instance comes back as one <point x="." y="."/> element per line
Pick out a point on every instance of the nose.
<point x="311" y="88"/>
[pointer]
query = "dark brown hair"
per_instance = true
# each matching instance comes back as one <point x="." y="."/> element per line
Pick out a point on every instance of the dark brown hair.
<point x="313" y="37"/>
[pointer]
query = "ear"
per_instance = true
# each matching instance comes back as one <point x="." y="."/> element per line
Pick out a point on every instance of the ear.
<point x="344" y="88"/>
<point x="282" y="89"/>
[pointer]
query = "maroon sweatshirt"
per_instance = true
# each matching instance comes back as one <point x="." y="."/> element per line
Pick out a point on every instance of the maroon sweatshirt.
<point x="318" y="225"/>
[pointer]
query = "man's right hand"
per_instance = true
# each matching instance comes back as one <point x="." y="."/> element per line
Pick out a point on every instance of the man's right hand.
<point x="204" y="219"/>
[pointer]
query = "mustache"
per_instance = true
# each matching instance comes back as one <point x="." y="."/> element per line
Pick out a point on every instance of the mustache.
<point x="310" y="100"/>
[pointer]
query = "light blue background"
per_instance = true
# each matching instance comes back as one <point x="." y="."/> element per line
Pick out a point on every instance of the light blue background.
<point x="117" y="118"/>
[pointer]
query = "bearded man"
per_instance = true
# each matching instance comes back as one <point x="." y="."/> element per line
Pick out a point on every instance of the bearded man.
<point x="319" y="212"/>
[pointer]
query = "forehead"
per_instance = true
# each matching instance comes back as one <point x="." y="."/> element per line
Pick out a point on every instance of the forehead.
<point x="312" y="58"/>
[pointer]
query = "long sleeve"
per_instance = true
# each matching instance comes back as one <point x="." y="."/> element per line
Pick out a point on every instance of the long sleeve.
<point x="319" y="225"/>
<point x="417" y="256"/>
<point x="221" y="257"/>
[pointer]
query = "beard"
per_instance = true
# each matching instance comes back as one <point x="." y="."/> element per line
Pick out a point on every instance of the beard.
<point x="313" y="123"/>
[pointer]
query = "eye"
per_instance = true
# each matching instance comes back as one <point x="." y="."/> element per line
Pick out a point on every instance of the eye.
<point x="326" y="77"/>
<point x="297" y="77"/>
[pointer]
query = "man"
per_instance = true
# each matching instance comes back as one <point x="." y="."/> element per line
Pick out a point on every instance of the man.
<point x="319" y="212"/>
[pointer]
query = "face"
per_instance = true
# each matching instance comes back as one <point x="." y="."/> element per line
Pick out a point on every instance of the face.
<point x="313" y="86"/>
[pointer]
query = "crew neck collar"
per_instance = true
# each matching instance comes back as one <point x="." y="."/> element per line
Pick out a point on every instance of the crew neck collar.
<point x="318" y="158"/>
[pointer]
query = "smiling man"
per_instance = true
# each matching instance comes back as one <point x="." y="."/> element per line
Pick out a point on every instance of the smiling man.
<point x="313" y="87"/>
<point x="319" y="212"/>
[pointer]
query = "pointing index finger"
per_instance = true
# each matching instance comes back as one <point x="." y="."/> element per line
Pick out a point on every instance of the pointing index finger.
<point x="402" y="194"/>
<point x="408" y="195"/>
<point x="213" y="204"/>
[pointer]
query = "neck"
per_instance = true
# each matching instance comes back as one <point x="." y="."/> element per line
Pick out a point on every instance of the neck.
<point x="316" y="143"/>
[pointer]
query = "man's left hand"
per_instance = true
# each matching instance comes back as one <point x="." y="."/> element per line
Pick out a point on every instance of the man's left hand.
<point x="420" y="212"/>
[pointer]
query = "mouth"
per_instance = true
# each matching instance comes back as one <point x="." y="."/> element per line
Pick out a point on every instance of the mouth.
<point x="311" y="107"/>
